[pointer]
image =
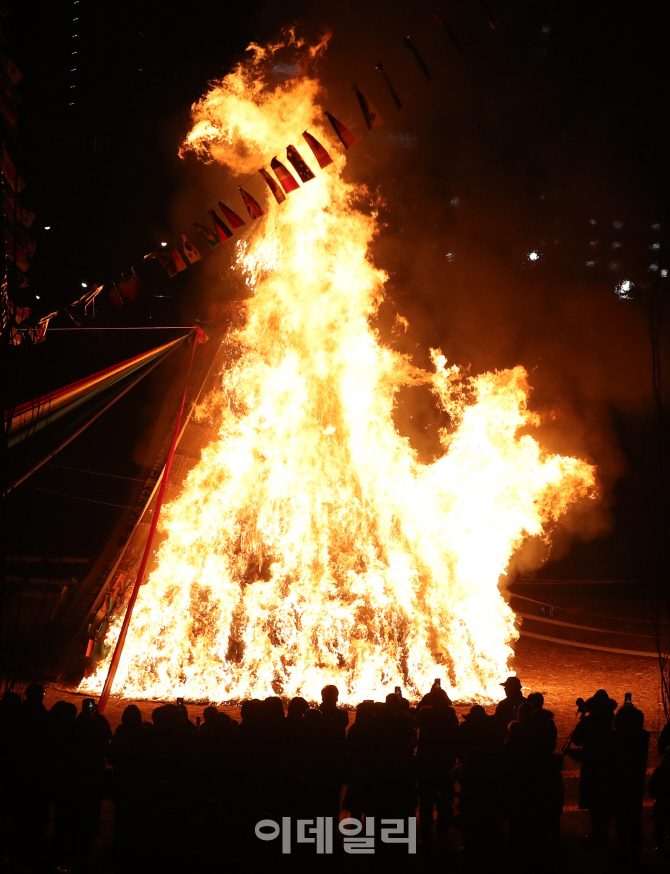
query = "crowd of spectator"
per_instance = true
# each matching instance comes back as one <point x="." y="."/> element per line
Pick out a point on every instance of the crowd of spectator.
<point x="184" y="791"/>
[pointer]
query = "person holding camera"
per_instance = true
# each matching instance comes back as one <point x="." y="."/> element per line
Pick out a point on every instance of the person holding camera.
<point x="595" y="735"/>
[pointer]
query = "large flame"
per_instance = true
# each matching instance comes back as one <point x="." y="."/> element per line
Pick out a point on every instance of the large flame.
<point x="309" y="544"/>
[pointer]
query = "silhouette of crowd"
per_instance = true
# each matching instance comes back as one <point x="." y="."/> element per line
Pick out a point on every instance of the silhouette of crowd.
<point x="182" y="791"/>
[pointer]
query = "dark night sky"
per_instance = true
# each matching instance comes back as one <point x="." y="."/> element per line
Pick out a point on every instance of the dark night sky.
<point x="556" y="119"/>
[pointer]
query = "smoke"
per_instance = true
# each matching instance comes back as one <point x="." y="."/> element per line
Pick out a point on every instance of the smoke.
<point x="515" y="147"/>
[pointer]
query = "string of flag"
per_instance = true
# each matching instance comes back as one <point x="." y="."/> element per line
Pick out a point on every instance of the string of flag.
<point x="18" y="324"/>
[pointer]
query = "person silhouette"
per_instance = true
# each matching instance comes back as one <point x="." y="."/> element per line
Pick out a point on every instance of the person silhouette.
<point x="595" y="735"/>
<point x="659" y="789"/>
<point x="631" y="749"/>
<point x="506" y="709"/>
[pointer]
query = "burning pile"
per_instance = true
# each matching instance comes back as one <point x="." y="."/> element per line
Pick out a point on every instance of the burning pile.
<point x="309" y="544"/>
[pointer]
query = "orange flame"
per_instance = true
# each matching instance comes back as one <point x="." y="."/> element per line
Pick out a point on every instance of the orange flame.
<point x="309" y="544"/>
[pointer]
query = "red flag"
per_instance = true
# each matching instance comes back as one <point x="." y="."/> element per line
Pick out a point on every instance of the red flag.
<point x="190" y="251"/>
<point x="179" y="262"/>
<point x="253" y="208"/>
<point x="166" y="260"/>
<point x="233" y="218"/>
<point x="206" y="234"/>
<point x="318" y="150"/>
<point x="129" y="287"/>
<point x="372" y="117"/>
<point x="298" y="162"/>
<point x="223" y="232"/>
<point x="280" y="197"/>
<point x="288" y="182"/>
<point x="344" y="134"/>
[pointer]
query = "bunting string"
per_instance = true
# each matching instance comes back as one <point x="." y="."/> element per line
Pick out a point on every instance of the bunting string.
<point x="19" y="325"/>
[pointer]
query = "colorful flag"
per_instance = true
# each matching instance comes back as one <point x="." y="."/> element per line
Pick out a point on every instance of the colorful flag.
<point x="253" y="208"/>
<point x="115" y="297"/>
<point x="166" y="260"/>
<point x="190" y="251"/>
<point x="372" y="117"/>
<point x="9" y="172"/>
<point x="420" y="61"/>
<point x="280" y="197"/>
<point x="233" y="218"/>
<point x="344" y="134"/>
<point x="179" y="262"/>
<point x="396" y="99"/>
<point x="299" y="164"/>
<point x="321" y="155"/>
<point x="287" y="180"/>
<point x="129" y="287"/>
<point x="206" y="234"/>
<point x="452" y="35"/>
<point x="223" y="232"/>
<point x="38" y="332"/>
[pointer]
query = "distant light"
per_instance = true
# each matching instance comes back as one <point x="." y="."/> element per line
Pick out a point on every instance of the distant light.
<point x="664" y="273"/>
<point x="546" y="29"/>
<point x="47" y="227"/>
<point x="656" y="227"/>
<point x="542" y="197"/>
<point x="590" y="263"/>
<point x="74" y="53"/>
<point x="450" y="256"/>
<point x="653" y="267"/>
<point x="163" y="244"/>
<point x="84" y="285"/>
<point x="37" y="297"/>
<point x="614" y="265"/>
<point x="533" y="256"/>
<point x="455" y="201"/>
<point x="72" y="104"/>
<point x="616" y="245"/>
<point x="593" y="243"/>
<point x="593" y="222"/>
<point x="617" y="225"/>
<point x="655" y="246"/>
<point x="73" y="86"/>
<point x="624" y="288"/>
<point x="73" y="69"/>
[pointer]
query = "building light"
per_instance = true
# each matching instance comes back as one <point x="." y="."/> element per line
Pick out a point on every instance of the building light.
<point x="84" y="285"/>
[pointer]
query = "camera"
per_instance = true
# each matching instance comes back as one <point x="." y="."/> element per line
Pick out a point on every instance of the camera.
<point x="398" y="691"/>
<point x="581" y="705"/>
<point x="628" y="699"/>
<point x="437" y="682"/>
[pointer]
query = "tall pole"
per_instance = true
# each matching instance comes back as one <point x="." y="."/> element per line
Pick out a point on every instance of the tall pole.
<point x="111" y="673"/>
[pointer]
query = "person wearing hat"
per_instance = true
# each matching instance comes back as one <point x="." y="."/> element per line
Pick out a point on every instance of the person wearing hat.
<point x="507" y="709"/>
<point x="595" y="735"/>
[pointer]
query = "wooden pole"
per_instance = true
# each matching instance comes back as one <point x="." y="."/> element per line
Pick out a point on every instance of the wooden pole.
<point x="118" y="649"/>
